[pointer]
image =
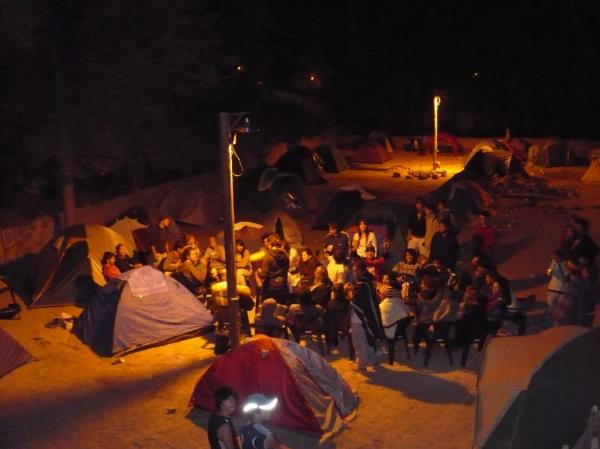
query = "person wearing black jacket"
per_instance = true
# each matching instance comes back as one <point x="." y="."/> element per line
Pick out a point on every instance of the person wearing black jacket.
<point x="444" y="246"/>
<point x="274" y="271"/>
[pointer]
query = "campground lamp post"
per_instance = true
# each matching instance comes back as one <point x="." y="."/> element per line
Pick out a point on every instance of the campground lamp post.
<point x="229" y="125"/>
<point x="436" y="103"/>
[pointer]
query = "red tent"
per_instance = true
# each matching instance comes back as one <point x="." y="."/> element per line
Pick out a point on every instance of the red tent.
<point x="313" y="398"/>
<point x="370" y="152"/>
<point x="446" y="143"/>
<point x="12" y="354"/>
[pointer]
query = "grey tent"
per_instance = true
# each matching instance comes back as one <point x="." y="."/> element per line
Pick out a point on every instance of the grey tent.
<point x="148" y="308"/>
<point x="331" y="159"/>
<point x="12" y="354"/>
<point x="536" y="391"/>
<point x="592" y="174"/>
<point x="197" y="205"/>
<point x="70" y="266"/>
<point x="300" y="160"/>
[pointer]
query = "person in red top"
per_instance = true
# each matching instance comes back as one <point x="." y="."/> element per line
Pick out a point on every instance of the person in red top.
<point x="374" y="264"/>
<point x="484" y="237"/>
<point x="109" y="269"/>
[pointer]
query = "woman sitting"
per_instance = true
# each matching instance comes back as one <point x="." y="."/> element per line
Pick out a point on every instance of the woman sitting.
<point x="392" y="308"/>
<point x="321" y="289"/>
<point x="109" y="269"/>
<point x="242" y="262"/>
<point x="192" y="270"/>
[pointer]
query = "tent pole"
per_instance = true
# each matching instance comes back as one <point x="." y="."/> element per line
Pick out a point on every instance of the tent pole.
<point x="226" y="147"/>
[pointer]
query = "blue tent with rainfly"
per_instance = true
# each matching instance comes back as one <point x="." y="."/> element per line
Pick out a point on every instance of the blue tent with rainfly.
<point x="147" y="308"/>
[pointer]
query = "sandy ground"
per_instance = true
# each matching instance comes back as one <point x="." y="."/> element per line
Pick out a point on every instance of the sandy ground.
<point x="71" y="398"/>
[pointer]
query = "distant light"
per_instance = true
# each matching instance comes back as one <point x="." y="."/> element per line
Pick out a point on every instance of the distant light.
<point x="475" y="74"/>
<point x="239" y="68"/>
<point x="312" y="77"/>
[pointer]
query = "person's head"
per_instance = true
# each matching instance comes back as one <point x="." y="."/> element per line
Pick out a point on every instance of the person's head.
<point x="240" y="246"/>
<point x="386" y="279"/>
<point x="212" y="242"/>
<point x="370" y="251"/>
<point x="164" y="221"/>
<point x="444" y="226"/>
<point x="441" y="205"/>
<point x="180" y="245"/>
<point x="306" y="254"/>
<point x="225" y="401"/>
<point x="259" y="407"/>
<point x="274" y="242"/>
<point x="484" y="218"/>
<point x="108" y="258"/>
<point x="339" y="255"/>
<point x="264" y="237"/>
<point x="569" y="232"/>
<point x="419" y="204"/>
<point x="410" y="256"/>
<point x="191" y="254"/>
<point x="472" y="292"/>
<point x="120" y="250"/>
<point x="337" y="292"/>
<point x="321" y="275"/>
<point x="582" y="226"/>
<point x="268" y="307"/>
<point x="359" y="269"/>
<point x="333" y="226"/>
<point x="190" y="240"/>
<point x="363" y="226"/>
<point x="558" y="255"/>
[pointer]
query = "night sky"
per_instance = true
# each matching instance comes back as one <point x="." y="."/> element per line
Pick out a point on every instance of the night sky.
<point x="122" y="86"/>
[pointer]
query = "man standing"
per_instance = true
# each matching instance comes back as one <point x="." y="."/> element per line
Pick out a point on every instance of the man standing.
<point x="365" y="318"/>
<point x="416" y="228"/>
<point x="444" y="246"/>
<point x="161" y="239"/>
<point x="337" y="241"/>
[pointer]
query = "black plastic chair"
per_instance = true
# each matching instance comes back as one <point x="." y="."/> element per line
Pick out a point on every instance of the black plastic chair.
<point x="272" y="330"/>
<point x="441" y="335"/>
<point x="399" y="334"/>
<point x="309" y="326"/>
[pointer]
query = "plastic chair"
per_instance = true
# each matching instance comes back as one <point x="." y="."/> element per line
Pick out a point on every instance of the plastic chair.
<point x="399" y="334"/>
<point x="309" y="326"/>
<point x="441" y="335"/>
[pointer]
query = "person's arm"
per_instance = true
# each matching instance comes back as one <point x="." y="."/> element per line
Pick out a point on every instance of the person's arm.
<point x="244" y="260"/>
<point x="372" y="240"/>
<point x="226" y="436"/>
<point x="355" y="241"/>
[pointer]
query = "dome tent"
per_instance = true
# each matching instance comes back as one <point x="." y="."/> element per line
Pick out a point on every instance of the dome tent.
<point x="147" y="309"/>
<point x="313" y="397"/>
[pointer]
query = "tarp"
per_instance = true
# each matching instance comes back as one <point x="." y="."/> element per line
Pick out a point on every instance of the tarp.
<point x="197" y="205"/>
<point x="12" y="354"/>
<point x="536" y="390"/>
<point x="71" y="264"/>
<point x="118" y="320"/>
<point x="313" y="397"/>
<point x="341" y="208"/>
<point x="284" y="225"/>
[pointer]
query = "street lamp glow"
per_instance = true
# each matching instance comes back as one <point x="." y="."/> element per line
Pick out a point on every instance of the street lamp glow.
<point x="436" y="103"/>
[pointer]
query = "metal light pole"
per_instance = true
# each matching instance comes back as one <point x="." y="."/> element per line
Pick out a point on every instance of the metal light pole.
<point x="228" y="122"/>
<point x="436" y="103"/>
